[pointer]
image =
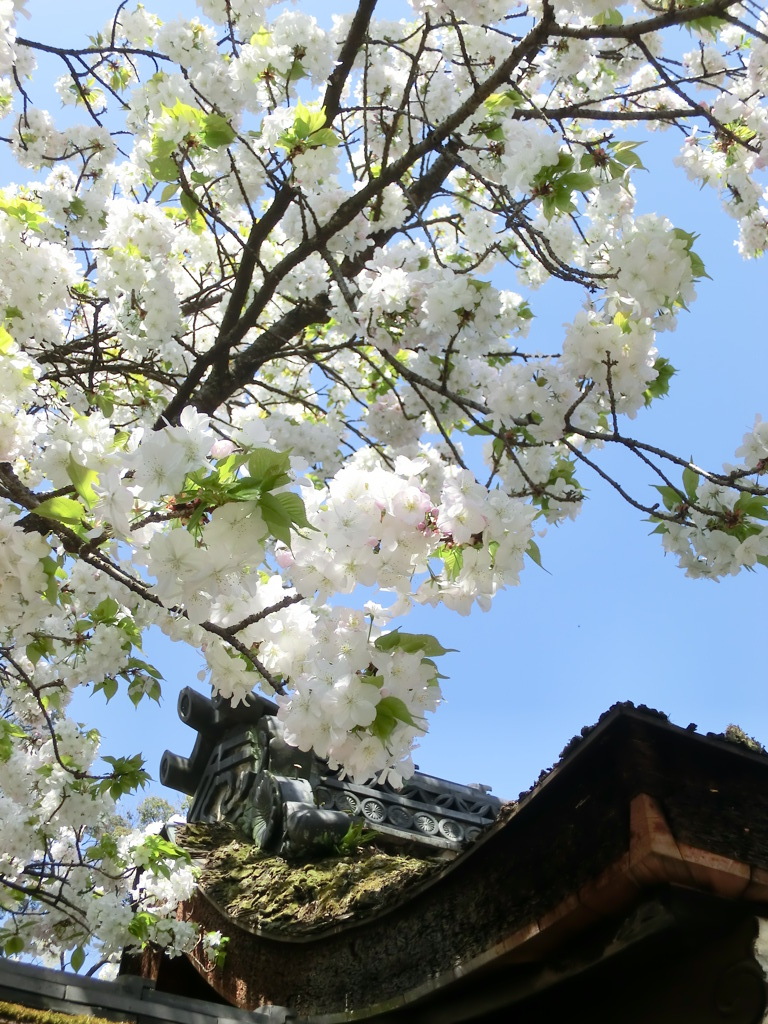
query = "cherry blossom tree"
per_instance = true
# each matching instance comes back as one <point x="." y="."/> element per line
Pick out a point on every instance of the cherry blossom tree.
<point x="269" y="337"/>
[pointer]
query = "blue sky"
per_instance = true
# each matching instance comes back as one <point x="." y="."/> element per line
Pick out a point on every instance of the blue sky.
<point x="611" y="618"/>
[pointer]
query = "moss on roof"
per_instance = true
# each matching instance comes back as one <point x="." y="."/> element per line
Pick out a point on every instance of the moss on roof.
<point x="269" y="894"/>
<point x="735" y="734"/>
<point x="12" y="1013"/>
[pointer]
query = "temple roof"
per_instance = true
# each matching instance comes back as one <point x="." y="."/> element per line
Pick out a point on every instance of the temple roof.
<point x="639" y="817"/>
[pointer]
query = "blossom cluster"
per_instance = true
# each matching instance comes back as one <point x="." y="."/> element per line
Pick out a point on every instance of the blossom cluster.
<point x="265" y="313"/>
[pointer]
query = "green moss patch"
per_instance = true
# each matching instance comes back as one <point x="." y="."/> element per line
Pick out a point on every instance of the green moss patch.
<point x="268" y="893"/>
<point x="12" y="1013"/>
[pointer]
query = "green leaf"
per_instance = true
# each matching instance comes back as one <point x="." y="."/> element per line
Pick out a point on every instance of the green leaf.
<point x="296" y="72"/>
<point x="294" y="508"/>
<point x="105" y="849"/>
<point x="162" y="164"/>
<point x="623" y="321"/>
<point x="659" y="387"/>
<point x="390" y="711"/>
<point x="76" y="208"/>
<point x="534" y="553"/>
<point x="262" y="37"/>
<point x="697" y="266"/>
<point x="53" y="571"/>
<point x="161" y="856"/>
<point x="245" y="489"/>
<point x="481" y="429"/>
<point x="182" y="113"/>
<point x="389" y="641"/>
<point x="163" y="169"/>
<point x="31" y="214"/>
<point x="498" y="101"/>
<point x="13" y="945"/>
<point x="277" y="520"/>
<point x="624" y="153"/>
<point x="127" y="775"/>
<point x="548" y="206"/>
<point x="314" y="120"/>
<point x="710" y="24"/>
<point x="562" y="201"/>
<point x="578" y="181"/>
<point x="144" y="666"/>
<point x="612" y="18"/>
<point x="141" y="687"/>
<point x="6" y="341"/>
<point x="9" y="732"/>
<point x="751" y="505"/>
<point x="690" y="482"/>
<point x="216" y="131"/>
<point x="672" y="499"/>
<point x="270" y="468"/>
<point x="77" y="959"/>
<point x="323" y="137"/>
<point x="62" y="510"/>
<point x="189" y="204"/>
<point x="108" y="686"/>
<point x="191" y="207"/>
<point x="412" y="643"/>
<point x="383" y="726"/>
<point x="308" y="131"/>
<point x="83" y="480"/>
<point x="564" y="164"/>
<point x="226" y="469"/>
<point x="453" y="558"/>
<point x="106" y="611"/>
<point x="140" y="926"/>
<point x="397" y="709"/>
<point x="41" y="647"/>
<point x="436" y="676"/>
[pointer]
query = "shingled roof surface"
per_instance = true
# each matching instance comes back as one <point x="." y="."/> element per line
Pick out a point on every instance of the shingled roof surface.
<point x="272" y="896"/>
<point x="634" y="803"/>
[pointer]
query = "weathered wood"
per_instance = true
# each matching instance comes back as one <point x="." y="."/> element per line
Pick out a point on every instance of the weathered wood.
<point x="581" y="877"/>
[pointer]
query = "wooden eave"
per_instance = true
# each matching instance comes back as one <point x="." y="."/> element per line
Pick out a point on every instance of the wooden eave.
<point x="636" y="807"/>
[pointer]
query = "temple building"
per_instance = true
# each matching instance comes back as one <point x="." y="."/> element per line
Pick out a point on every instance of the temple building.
<point x="628" y="886"/>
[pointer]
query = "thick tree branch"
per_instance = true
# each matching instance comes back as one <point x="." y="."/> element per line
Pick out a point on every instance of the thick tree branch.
<point x="343" y="216"/>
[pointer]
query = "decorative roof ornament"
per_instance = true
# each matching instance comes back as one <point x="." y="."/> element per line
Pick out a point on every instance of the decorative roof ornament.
<point x="290" y="802"/>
